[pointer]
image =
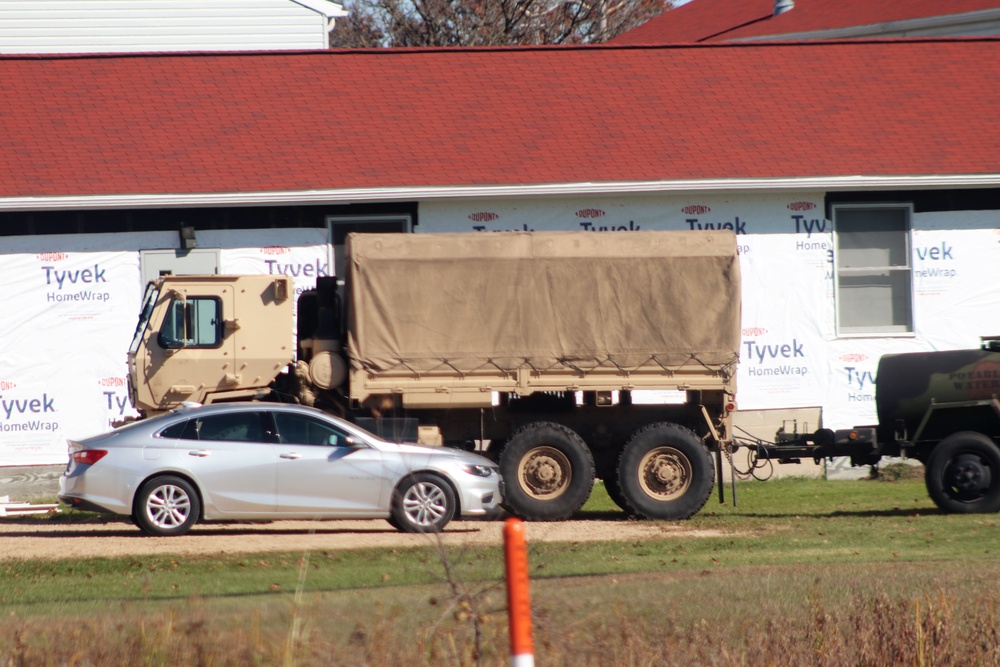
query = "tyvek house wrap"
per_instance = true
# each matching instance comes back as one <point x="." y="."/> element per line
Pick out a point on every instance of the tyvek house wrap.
<point x="476" y="301"/>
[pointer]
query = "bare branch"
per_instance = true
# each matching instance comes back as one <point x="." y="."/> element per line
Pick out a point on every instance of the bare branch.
<point x="387" y="23"/>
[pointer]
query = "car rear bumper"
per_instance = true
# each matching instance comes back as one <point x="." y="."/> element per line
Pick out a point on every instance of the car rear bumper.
<point x="94" y="493"/>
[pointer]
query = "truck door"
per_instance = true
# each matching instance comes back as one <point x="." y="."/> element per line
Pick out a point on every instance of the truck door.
<point x="192" y="350"/>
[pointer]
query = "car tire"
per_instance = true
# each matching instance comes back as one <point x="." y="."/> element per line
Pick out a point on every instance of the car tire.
<point x="422" y="503"/>
<point x="166" y="506"/>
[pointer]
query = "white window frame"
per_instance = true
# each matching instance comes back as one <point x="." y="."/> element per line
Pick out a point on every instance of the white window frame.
<point x="875" y="331"/>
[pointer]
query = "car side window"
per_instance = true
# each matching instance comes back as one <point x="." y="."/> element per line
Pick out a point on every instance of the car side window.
<point x="303" y="430"/>
<point x="233" y="427"/>
<point x="182" y="431"/>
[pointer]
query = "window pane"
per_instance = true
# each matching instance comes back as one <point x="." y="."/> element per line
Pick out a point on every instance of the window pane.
<point x="871" y="237"/>
<point x="194" y="322"/>
<point x="204" y="316"/>
<point x="172" y="331"/>
<point x="241" y="426"/>
<point x="299" y="430"/>
<point x="183" y="431"/>
<point x="873" y="301"/>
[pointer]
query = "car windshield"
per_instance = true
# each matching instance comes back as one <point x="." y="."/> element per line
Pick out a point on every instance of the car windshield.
<point x="148" y="301"/>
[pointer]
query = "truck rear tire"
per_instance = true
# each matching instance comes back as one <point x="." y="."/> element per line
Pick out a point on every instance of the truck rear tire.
<point x="548" y="472"/>
<point x="963" y="474"/>
<point x="665" y="472"/>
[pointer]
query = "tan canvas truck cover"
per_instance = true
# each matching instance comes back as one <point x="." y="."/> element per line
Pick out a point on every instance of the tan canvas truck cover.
<point x="525" y="311"/>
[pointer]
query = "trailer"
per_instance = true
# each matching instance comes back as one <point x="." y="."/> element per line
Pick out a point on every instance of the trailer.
<point x="940" y="408"/>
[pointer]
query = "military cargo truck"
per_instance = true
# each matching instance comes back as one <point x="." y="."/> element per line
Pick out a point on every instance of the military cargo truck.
<point x="940" y="408"/>
<point x="528" y="347"/>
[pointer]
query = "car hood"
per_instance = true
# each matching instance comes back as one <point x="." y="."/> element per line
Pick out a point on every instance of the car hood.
<point x="437" y="452"/>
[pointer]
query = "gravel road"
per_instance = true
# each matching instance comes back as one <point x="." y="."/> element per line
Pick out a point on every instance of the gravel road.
<point x="51" y="539"/>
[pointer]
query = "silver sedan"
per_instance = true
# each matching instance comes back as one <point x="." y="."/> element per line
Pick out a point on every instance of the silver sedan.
<point x="265" y="461"/>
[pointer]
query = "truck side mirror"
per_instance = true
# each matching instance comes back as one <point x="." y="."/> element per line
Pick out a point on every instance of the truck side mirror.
<point x="174" y="330"/>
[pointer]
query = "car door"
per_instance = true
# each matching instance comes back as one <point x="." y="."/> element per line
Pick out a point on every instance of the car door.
<point x="320" y="471"/>
<point x="232" y="459"/>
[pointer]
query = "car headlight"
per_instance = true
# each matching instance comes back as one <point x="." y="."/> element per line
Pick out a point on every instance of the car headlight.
<point x="477" y="470"/>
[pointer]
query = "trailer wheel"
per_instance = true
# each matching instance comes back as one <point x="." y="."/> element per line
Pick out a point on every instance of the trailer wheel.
<point x="665" y="472"/>
<point x="548" y="472"/>
<point x="963" y="474"/>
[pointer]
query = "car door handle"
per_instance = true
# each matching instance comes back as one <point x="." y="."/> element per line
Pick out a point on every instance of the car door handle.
<point x="291" y="455"/>
<point x="199" y="452"/>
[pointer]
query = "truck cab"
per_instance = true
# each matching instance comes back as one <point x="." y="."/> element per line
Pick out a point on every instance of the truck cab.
<point x="206" y="339"/>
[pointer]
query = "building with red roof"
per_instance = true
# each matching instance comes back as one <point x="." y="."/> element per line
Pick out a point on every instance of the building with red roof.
<point x="737" y="20"/>
<point x="861" y="177"/>
<point x="140" y="130"/>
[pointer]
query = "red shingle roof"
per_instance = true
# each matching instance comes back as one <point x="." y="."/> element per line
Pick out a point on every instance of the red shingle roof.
<point x="698" y="21"/>
<point x="225" y="123"/>
<point x="725" y="20"/>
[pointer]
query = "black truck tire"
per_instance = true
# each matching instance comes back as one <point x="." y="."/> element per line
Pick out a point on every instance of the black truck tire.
<point x="548" y="472"/>
<point x="665" y="472"/>
<point x="963" y="474"/>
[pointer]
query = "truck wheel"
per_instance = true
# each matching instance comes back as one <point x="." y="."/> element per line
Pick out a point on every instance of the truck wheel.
<point x="963" y="474"/>
<point x="665" y="472"/>
<point x="166" y="506"/>
<point x="548" y="472"/>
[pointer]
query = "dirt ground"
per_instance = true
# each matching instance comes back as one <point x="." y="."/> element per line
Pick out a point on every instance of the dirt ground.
<point x="51" y="539"/>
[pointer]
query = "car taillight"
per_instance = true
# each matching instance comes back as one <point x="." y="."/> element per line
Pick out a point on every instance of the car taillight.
<point x="89" y="456"/>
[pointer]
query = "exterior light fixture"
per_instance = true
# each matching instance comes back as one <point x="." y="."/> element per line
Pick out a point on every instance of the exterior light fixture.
<point x="188" y="238"/>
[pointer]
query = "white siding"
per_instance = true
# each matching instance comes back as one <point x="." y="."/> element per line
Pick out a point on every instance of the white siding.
<point x="105" y="26"/>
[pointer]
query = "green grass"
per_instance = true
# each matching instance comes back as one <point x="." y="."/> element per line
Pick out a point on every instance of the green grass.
<point x="784" y="522"/>
<point x="823" y="571"/>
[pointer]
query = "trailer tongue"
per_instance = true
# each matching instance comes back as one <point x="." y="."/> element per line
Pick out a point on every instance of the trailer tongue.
<point x="939" y="408"/>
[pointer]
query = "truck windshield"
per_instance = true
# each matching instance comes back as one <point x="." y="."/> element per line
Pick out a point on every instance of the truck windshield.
<point x="148" y="301"/>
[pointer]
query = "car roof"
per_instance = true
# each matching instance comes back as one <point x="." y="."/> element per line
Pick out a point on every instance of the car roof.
<point x="240" y="406"/>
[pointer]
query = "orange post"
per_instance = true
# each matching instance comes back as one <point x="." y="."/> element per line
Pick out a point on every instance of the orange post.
<point x="522" y="651"/>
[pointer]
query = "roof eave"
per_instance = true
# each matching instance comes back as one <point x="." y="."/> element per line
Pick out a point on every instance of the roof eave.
<point x="419" y="193"/>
